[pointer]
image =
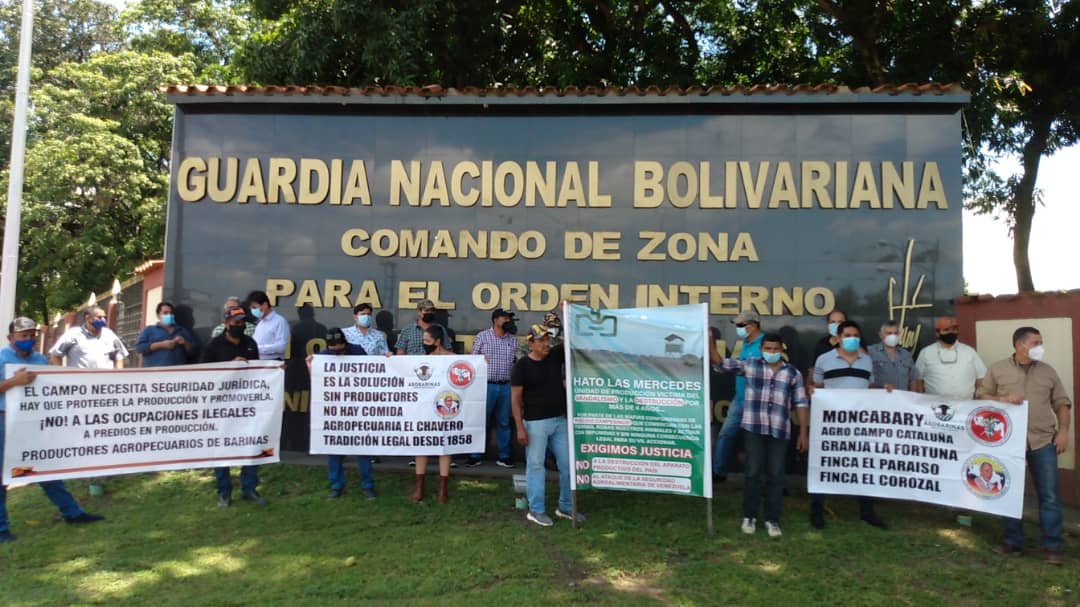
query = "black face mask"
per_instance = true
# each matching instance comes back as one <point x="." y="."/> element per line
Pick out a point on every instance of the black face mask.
<point x="236" y="332"/>
<point x="949" y="338"/>
<point x="428" y="317"/>
<point x="429" y="348"/>
<point x="510" y="327"/>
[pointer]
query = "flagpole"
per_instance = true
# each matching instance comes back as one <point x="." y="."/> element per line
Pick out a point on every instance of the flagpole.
<point x="9" y="271"/>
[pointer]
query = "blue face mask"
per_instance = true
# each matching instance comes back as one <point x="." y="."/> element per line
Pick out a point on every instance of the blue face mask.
<point x="99" y="323"/>
<point x="833" y="328"/>
<point x="741" y="332"/>
<point x="256" y="312"/>
<point x="363" y="320"/>
<point x="771" y="357"/>
<point x="850" y="344"/>
<point x="167" y="319"/>
<point x="24" y="344"/>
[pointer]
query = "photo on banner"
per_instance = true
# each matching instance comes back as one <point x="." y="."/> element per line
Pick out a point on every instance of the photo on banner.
<point x="85" y="423"/>
<point x="400" y="405"/>
<point x="637" y="390"/>
<point x="966" y="454"/>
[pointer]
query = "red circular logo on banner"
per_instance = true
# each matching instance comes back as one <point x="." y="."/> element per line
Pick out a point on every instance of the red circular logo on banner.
<point x="461" y="374"/>
<point x="989" y="425"/>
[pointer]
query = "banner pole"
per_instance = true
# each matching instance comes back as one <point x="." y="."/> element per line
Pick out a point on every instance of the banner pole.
<point x="708" y="516"/>
<point x="573" y="508"/>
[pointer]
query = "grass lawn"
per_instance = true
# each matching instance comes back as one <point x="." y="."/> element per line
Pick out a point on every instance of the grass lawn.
<point x="166" y="543"/>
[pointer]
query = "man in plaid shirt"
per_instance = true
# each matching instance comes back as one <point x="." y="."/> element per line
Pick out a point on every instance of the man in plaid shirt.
<point x="773" y="389"/>
<point x="499" y="348"/>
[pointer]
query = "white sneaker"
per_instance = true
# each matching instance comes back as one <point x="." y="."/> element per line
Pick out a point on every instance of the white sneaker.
<point x="749" y="526"/>
<point x="773" y="529"/>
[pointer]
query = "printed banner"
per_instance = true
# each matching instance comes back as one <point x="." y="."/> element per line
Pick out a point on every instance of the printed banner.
<point x="400" y="405"/>
<point x="638" y="388"/>
<point x="79" y="423"/>
<point x="967" y="454"/>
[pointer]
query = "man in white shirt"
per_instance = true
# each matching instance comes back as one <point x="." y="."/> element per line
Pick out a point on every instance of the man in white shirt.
<point x="948" y="367"/>
<point x="272" y="330"/>
<point x="91" y="345"/>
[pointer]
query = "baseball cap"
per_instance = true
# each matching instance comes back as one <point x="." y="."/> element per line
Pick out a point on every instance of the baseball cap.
<point x="22" y="323"/>
<point x="425" y="304"/>
<point x="536" y="332"/>
<point x="499" y="312"/>
<point x="945" y="322"/>
<point x="745" y="317"/>
<point x="335" y="337"/>
<point x="235" y="312"/>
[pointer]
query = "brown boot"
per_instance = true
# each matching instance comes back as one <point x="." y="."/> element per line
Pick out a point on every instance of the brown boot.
<point x="418" y="490"/>
<point x="444" y="489"/>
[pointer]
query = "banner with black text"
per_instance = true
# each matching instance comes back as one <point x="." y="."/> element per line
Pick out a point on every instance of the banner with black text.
<point x="967" y="454"/>
<point x="80" y="423"/>
<point x="400" y="405"/>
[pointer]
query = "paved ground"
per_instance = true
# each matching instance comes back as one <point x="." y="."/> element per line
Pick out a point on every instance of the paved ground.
<point x="733" y="484"/>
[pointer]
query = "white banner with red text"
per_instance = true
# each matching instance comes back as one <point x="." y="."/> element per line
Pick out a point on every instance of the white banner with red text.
<point x="400" y="405"/>
<point x="966" y="454"/>
<point x="80" y="423"/>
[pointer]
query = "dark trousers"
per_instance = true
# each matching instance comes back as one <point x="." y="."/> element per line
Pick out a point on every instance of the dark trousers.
<point x="866" y="505"/>
<point x="764" y="474"/>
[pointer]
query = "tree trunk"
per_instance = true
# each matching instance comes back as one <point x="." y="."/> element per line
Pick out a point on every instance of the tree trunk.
<point x="1024" y="204"/>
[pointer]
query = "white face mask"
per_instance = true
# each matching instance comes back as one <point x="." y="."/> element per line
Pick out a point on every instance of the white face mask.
<point x="891" y="340"/>
<point x="1037" y="353"/>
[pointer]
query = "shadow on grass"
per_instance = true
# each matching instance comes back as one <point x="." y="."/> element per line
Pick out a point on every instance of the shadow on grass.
<point x="166" y="543"/>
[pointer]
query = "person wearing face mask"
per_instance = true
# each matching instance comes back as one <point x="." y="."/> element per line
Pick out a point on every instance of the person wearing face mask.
<point x="947" y="367"/>
<point x="234" y="345"/>
<point x="411" y="340"/>
<point x="362" y="338"/>
<point x="230" y="302"/>
<point x="165" y="343"/>
<point x="846" y="367"/>
<point x="893" y="365"/>
<point x="91" y="345"/>
<point x="271" y="330"/>
<point x="337" y="345"/>
<point x="435" y="342"/>
<point x="830" y="341"/>
<point x="772" y="390"/>
<point x="498" y="346"/>
<point x="748" y="329"/>
<point x="1024" y="377"/>
<point x="22" y="334"/>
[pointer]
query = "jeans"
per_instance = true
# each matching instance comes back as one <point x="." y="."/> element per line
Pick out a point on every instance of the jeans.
<point x="498" y="402"/>
<point x="765" y="457"/>
<point x="249" y="479"/>
<point x="725" y="438"/>
<point x="54" y="490"/>
<point x="335" y="466"/>
<point x="542" y="434"/>
<point x="1042" y="464"/>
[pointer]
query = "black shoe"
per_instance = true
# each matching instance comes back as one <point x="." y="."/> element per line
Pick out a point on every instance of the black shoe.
<point x="334" y="494"/>
<point x="474" y="462"/>
<point x="504" y="463"/>
<point x="223" y="501"/>
<point x="1008" y="549"/>
<point x="6" y="536"/>
<point x="874" y="521"/>
<point x="368" y="493"/>
<point x="254" y="498"/>
<point x="85" y="517"/>
<point x="817" y="519"/>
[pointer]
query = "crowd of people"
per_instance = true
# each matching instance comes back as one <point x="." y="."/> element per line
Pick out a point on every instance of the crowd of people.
<point x="526" y="396"/>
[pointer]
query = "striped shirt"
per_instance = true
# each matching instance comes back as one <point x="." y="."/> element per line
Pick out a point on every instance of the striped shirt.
<point x="769" y="396"/>
<point x="500" y="353"/>
<point x="834" y="372"/>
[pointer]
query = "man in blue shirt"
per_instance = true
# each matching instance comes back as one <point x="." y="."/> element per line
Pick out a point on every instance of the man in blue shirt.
<point x="22" y="333"/>
<point x="748" y="328"/>
<point x="166" y="343"/>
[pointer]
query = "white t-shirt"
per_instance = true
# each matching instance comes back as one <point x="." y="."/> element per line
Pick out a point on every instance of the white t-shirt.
<point x="86" y="351"/>
<point x="950" y="372"/>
